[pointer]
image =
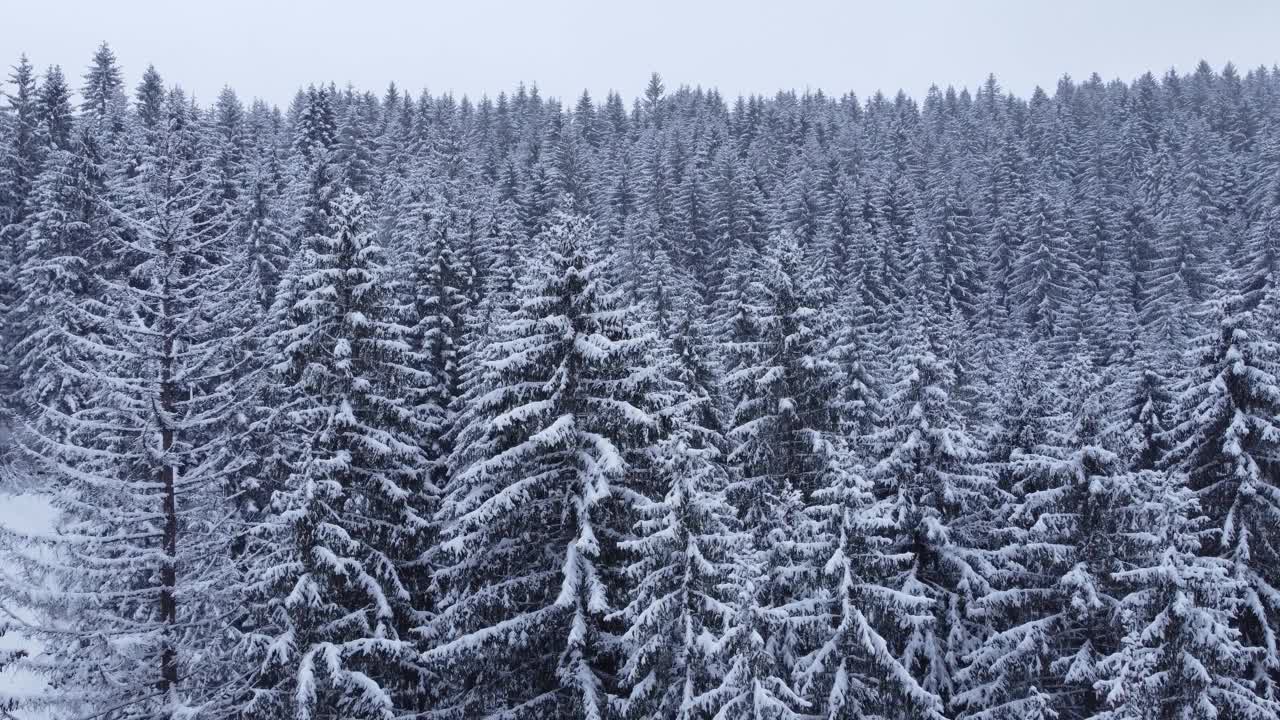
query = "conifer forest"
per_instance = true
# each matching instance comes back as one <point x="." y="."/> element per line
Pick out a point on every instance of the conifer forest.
<point x="391" y="405"/>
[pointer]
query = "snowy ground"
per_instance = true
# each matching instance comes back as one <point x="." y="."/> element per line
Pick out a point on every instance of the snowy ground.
<point x="25" y="514"/>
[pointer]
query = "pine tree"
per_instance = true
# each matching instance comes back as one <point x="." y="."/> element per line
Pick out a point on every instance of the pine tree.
<point x="781" y="379"/>
<point x="330" y="622"/>
<point x="149" y="97"/>
<point x="23" y="155"/>
<point x="1180" y="656"/>
<point x="1021" y="415"/>
<point x="101" y="93"/>
<point x="262" y="229"/>
<point x="437" y="310"/>
<point x="683" y="553"/>
<point x="929" y="479"/>
<point x="856" y="671"/>
<point x="782" y="386"/>
<point x="316" y="127"/>
<point x="550" y="451"/>
<point x="1054" y="600"/>
<point x="353" y="148"/>
<point x="131" y="439"/>
<point x="651" y="276"/>
<point x="57" y="275"/>
<point x="859" y="402"/>
<point x="53" y="109"/>
<point x="683" y="564"/>
<point x="1145" y="411"/>
<point x="754" y="685"/>
<point x="1179" y="277"/>
<point x="1225" y="440"/>
<point x="1045" y="275"/>
<point x="956" y="244"/>
<point x="20" y="161"/>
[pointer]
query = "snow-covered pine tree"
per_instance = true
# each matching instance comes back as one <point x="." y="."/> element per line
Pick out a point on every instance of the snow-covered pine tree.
<point x="859" y="402"/>
<point x="1227" y="440"/>
<point x="1260" y="262"/>
<point x="551" y="452"/>
<point x="1141" y="418"/>
<point x="312" y="171"/>
<point x="499" y="297"/>
<point x="353" y="147"/>
<point x="883" y="271"/>
<point x="931" y="483"/>
<point x="437" y="307"/>
<point x="955" y="244"/>
<point x="53" y="110"/>
<point x="1257" y="265"/>
<point x="149" y="99"/>
<point x="61" y="240"/>
<point x="1053" y="606"/>
<point x="1179" y="657"/>
<point x="1020" y="414"/>
<point x="23" y="155"/>
<point x="686" y="542"/>
<point x="248" y="185"/>
<point x="754" y="684"/>
<point x="131" y="441"/>
<point x="783" y="387"/>
<point x="21" y="158"/>
<point x="102" y="91"/>
<point x="261" y="229"/>
<point x="1045" y="274"/>
<point x="781" y="379"/>
<point x="315" y="126"/>
<point x="849" y="615"/>
<point x="855" y="671"/>
<point x="649" y="275"/>
<point x="438" y="285"/>
<point x="695" y="367"/>
<point x="732" y="320"/>
<point x="737" y="214"/>
<point x="329" y="623"/>
<point x="683" y="568"/>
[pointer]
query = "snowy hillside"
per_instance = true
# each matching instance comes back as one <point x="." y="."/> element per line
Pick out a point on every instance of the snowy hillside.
<point x="389" y="405"/>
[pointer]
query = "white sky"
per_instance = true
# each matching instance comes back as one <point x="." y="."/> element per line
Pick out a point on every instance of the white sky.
<point x="268" y="48"/>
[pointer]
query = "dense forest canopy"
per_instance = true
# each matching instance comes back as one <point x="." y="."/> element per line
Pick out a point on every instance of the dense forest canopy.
<point x="389" y="406"/>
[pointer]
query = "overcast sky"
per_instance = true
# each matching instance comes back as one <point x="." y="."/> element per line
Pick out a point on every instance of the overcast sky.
<point x="268" y="48"/>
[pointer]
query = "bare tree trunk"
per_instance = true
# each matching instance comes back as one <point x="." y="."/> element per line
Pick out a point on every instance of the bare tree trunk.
<point x="168" y="477"/>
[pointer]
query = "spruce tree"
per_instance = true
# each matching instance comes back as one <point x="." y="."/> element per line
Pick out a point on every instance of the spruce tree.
<point x="329" y="620"/>
<point x="149" y="98"/>
<point x="1179" y="656"/>
<point x="101" y="93"/>
<point x="127" y="428"/>
<point x="856" y="671"/>
<point x="683" y="563"/>
<point x="53" y="110"/>
<point x="551" y="451"/>
<point x="754" y="684"/>
<point x="261" y="228"/>
<point x="21" y="158"/>
<point x="931" y="486"/>
<point x="1045" y="275"/>
<point x="57" y="275"/>
<point x="687" y="537"/>
<point x="1225" y="441"/>
<point x="1053" y="602"/>
<point x="782" y="385"/>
